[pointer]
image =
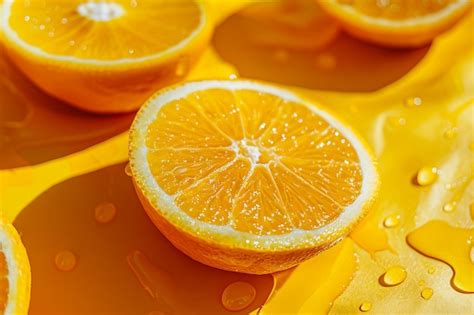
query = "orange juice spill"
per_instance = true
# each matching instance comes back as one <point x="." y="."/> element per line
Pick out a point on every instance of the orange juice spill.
<point x="449" y="207"/>
<point x="413" y="102"/>
<point x="431" y="270"/>
<point x="392" y="221"/>
<point x="449" y="244"/>
<point x="65" y="260"/>
<point x="427" y="175"/>
<point x="365" y="306"/>
<point x="238" y="295"/>
<point x="427" y="293"/>
<point x="394" y="276"/>
<point x="105" y="212"/>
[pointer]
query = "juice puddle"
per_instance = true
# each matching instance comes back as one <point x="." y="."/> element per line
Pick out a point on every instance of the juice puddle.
<point x="314" y="284"/>
<point x="99" y="265"/>
<point x="451" y="245"/>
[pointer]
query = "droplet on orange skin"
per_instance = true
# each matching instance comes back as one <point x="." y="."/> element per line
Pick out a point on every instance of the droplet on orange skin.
<point x="65" y="260"/>
<point x="427" y="175"/>
<point x="394" y="276"/>
<point x="365" y="306"/>
<point x="427" y="293"/>
<point x="238" y="295"/>
<point x="431" y="270"/>
<point x="105" y="212"/>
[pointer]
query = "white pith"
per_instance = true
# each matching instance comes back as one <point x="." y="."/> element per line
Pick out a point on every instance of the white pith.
<point x="165" y="203"/>
<point x="420" y="21"/>
<point x="13" y="36"/>
<point x="13" y="270"/>
<point x="100" y="11"/>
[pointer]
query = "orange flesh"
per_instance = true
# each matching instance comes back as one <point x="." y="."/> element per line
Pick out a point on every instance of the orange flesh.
<point x="252" y="161"/>
<point x="398" y="9"/>
<point x="145" y="27"/>
<point x="3" y="282"/>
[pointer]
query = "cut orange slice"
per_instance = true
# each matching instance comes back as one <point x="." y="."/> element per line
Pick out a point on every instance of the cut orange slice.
<point x="247" y="177"/>
<point x="105" y="56"/>
<point x="14" y="273"/>
<point x="398" y="23"/>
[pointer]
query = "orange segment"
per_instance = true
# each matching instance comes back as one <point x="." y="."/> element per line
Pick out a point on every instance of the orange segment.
<point x="14" y="273"/>
<point x="105" y="56"/>
<point x="230" y="162"/>
<point x="396" y="22"/>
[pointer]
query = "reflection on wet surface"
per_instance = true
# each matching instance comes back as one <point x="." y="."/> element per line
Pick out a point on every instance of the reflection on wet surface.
<point x="119" y="266"/>
<point x="341" y="63"/>
<point x="35" y="127"/>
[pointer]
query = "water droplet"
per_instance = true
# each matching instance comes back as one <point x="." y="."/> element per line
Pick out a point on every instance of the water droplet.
<point x="451" y="133"/>
<point x="131" y="51"/>
<point x="427" y="293"/>
<point x="64" y="20"/>
<point x="413" y="101"/>
<point x="180" y="69"/>
<point x="431" y="270"/>
<point x="65" y="260"/>
<point x="397" y="121"/>
<point x="232" y="76"/>
<point x="51" y="34"/>
<point x="365" y="306"/>
<point x="280" y="55"/>
<point x="394" y="276"/>
<point x="427" y="175"/>
<point x="392" y="221"/>
<point x="449" y="207"/>
<point x="72" y="42"/>
<point x="326" y="61"/>
<point x="238" y="295"/>
<point x="133" y="3"/>
<point x="42" y="27"/>
<point x="128" y="170"/>
<point x="27" y="18"/>
<point x="105" y="212"/>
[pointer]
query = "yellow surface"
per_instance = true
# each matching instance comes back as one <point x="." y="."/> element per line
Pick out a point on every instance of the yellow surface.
<point x="405" y="139"/>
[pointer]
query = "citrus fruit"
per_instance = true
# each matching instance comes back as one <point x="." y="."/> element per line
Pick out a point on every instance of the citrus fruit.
<point x="298" y="25"/>
<point x="398" y="23"/>
<point x="247" y="177"/>
<point x="14" y="273"/>
<point x="105" y="56"/>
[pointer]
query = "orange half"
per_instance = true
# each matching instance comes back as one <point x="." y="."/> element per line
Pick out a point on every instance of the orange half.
<point x="105" y="56"/>
<point x="247" y="177"/>
<point x="398" y="23"/>
<point x="14" y="273"/>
